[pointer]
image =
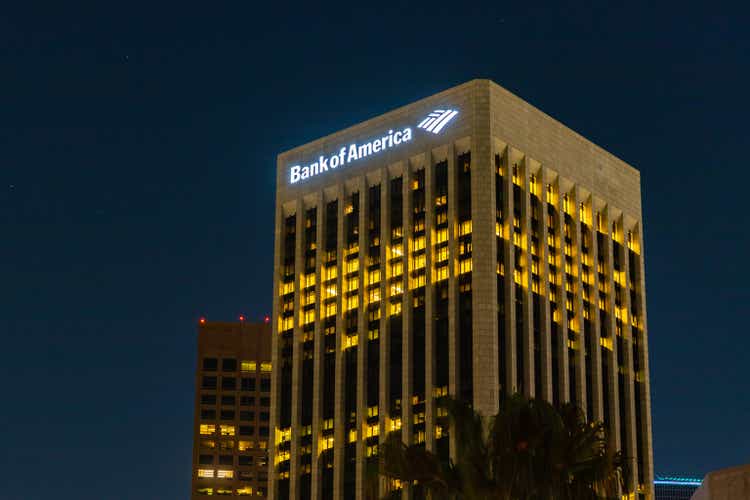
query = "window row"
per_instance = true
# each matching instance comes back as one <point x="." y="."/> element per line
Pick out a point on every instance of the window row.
<point x="242" y="460"/>
<point x="230" y="383"/>
<point x="230" y="365"/>
<point x="231" y="430"/>
<point x="245" y="416"/>
<point x="229" y="444"/>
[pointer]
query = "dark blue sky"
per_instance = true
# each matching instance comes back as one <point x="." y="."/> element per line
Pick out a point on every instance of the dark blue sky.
<point x="137" y="157"/>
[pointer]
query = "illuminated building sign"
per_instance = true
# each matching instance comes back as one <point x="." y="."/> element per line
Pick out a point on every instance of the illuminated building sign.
<point x="434" y="123"/>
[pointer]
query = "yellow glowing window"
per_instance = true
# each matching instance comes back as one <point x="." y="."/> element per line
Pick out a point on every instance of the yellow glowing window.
<point x="373" y="334"/>
<point x="265" y="367"/>
<point x="247" y="490"/>
<point x="244" y="445"/>
<point x="550" y="239"/>
<point x="208" y="443"/>
<point x="248" y="366"/>
<point x="397" y="232"/>
<point x="517" y="276"/>
<point x="535" y="266"/>
<point x="207" y="429"/>
<point x="330" y="291"/>
<point x="330" y="309"/>
<point x="533" y="185"/>
<point x="396" y="289"/>
<point x="606" y="343"/>
<point x="419" y="437"/>
<point x="352" y="266"/>
<point x="498" y="230"/>
<point x="309" y="297"/>
<point x="352" y="284"/>
<point x="397" y="268"/>
<point x="464" y="266"/>
<point x="262" y="445"/>
<point x="325" y="443"/>
<point x="308" y="316"/>
<point x="372" y="431"/>
<point x="285" y="288"/>
<point x="566" y="204"/>
<point x="329" y="272"/>
<point x="441" y="273"/>
<point x="441" y="200"/>
<point x="395" y="308"/>
<point x="227" y="445"/>
<point x="372" y="450"/>
<point x="418" y="262"/>
<point x="395" y="424"/>
<point x="353" y="436"/>
<point x="464" y="228"/>
<point x="307" y="280"/>
<point x="516" y="222"/>
<point x="441" y="235"/>
<point x="205" y="473"/>
<point x="418" y="243"/>
<point x="373" y="277"/>
<point x="550" y="194"/>
<point x="418" y="281"/>
<point x="351" y="249"/>
<point x="225" y="474"/>
<point x="352" y="302"/>
<point x="350" y="341"/>
<point x="517" y="239"/>
<point x="227" y="430"/>
<point x="328" y="424"/>
<point x="349" y="208"/>
<point x="374" y="295"/>
<point x="441" y="254"/>
<point x="568" y="267"/>
<point x="286" y="323"/>
<point x="535" y="285"/>
<point x="372" y="411"/>
<point x="515" y="174"/>
<point x="205" y="491"/>
<point x="397" y="251"/>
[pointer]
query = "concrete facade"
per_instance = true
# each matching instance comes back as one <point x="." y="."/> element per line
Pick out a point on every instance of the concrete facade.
<point x="504" y="254"/>
<point x="232" y="406"/>
<point x="732" y="483"/>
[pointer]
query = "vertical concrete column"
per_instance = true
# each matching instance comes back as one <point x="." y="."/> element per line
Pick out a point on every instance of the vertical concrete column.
<point x="564" y="375"/>
<point x="627" y="334"/>
<point x="544" y="290"/>
<point x="509" y="264"/>
<point x="580" y="386"/>
<point x="275" y="373"/>
<point x="484" y="257"/>
<point x="453" y="365"/>
<point x="299" y="272"/>
<point x="429" y="308"/>
<point x="318" y="344"/>
<point x="609" y="267"/>
<point x="595" y="341"/>
<point x="385" y="337"/>
<point x="338" y="409"/>
<point x="364" y="242"/>
<point x="645" y="395"/>
<point x="526" y="337"/>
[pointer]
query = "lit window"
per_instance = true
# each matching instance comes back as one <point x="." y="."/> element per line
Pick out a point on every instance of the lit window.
<point x="205" y="473"/>
<point x="464" y="228"/>
<point x="265" y="367"/>
<point x="352" y="266"/>
<point x="350" y="341"/>
<point x="441" y="235"/>
<point x="207" y="429"/>
<point x="441" y="200"/>
<point x="329" y="272"/>
<point x="397" y="269"/>
<point x="353" y="436"/>
<point x="325" y="443"/>
<point x="309" y="297"/>
<point x="373" y="277"/>
<point x="225" y="474"/>
<point x="208" y="443"/>
<point x="418" y="243"/>
<point x="372" y="430"/>
<point x="307" y="280"/>
<point x="330" y="309"/>
<point x="464" y="266"/>
<point x="372" y="411"/>
<point x="418" y="281"/>
<point x="395" y="308"/>
<point x="441" y="254"/>
<point x="517" y="239"/>
<point x="396" y="289"/>
<point x="418" y="262"/>
<point x="247" y="490"/>
<point x="248" y="366"/>
<point x="244" y="445"/>
<point x="285" y="288"/>
<point x="441" y="273"/>
<point x="330" y="291"/>
<point x="352" y="284"/>
<point x="397" y="251"/>
<point x="352" y="302"/>
<point x="328" y="424"/>
<point x="286" y="323"/>
<point x="227" y="430"/>
<point x="374" y="295"/>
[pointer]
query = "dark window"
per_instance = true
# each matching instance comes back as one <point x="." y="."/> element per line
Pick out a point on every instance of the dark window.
<point x="247" y="430"/>
<point x="248" y="384"/>
<point x="246" y="460"/>
<point x="210" y="364"/>
<point x="228" y="383"/>
<point x="247" y="401"/>
<point x="265" y="401"/>
<point x="226" y="460"/>
<point x="208" y="414"/>
<point x="264" y="416"/>
<point x="263" y="432"/>
<point x="228" y="400"/>
<point x="227" y="414"/>
<point x="229" y="365"/>
<point x="208" y="399"/>
<point x="247" y="416"/>
<point x="245" y="475"/>
<point x="209" y="383"/>
<point x="205" y="459"/>
<point x="265" y="385"/>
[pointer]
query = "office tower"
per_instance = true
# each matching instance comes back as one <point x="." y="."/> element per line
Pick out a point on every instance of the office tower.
<point x="675" y="487"/>
<point x="466" y="244"/>
<point x="232" y="405"/>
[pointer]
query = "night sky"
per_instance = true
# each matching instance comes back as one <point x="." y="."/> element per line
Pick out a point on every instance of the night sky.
<point x="137" y="160"/>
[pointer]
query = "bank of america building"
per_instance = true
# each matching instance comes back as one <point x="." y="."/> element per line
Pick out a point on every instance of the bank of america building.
<point x="466" y="244"/>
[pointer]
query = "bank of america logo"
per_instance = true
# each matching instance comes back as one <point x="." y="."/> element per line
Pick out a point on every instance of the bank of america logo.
<point x="436" y="120"/>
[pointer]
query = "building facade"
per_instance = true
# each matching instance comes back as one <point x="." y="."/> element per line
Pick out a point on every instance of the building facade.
<point x="232" y="410"/>
<point x="465" y="244"/>
<point x="732" y="483"/>
<point x="675" y="487"/>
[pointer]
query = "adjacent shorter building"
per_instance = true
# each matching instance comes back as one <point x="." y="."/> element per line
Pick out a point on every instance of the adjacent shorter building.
<point x="232" y="405"/>
<point x="732" y="483"/>
<point x="675" y="487"/>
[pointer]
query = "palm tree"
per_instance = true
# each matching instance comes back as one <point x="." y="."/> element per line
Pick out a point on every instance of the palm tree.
<point x="529" y="451"/>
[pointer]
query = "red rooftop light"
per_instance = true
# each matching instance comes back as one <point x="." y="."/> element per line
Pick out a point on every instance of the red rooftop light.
<point x="202" y="321"/>
<point x="242" y="317"/>
<point x="266" y="319"/>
